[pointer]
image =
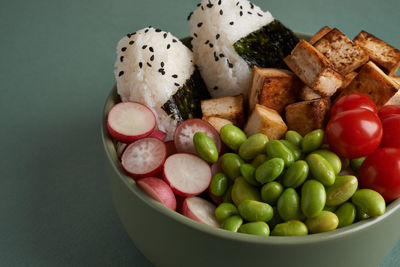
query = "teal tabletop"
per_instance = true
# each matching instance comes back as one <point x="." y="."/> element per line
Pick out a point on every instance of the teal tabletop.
<point x="56" y="70"/>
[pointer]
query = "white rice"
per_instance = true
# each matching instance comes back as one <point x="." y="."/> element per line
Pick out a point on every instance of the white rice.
<point x="215" y="26"/>
<point x="151" y="66"/>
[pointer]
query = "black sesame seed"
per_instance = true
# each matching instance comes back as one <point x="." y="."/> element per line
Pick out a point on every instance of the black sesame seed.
<point x="221" y="12"/>
<point x="123" y="49"/>
<point x="121" y="58"/>
<point x="158" y="30"/>
<point x="131" y="42"/>
<point x="215" y="56"/>
<point x="133" y="33"/>
<point x="202" y="8"/>
<point x="140" y="64"/>
<point x="162" y="64"/>
<point x="195" y="35"/>
<point x="211" y="45"/>
<point x="251" y="5"/>
<point x="151" y="49"/>
<point x="207" y="42"/>
<point x="144" y="47"/>
<point x="241" y="13"/>
<point x="190" y="15"/>
<point x="198" y="4"/>
<point x="219" y="2"/>
<point x="237" y="3"/>
<point x="129" y="35"/>
<point x="146" y="30"/>
<point x="209" y="5"/>
<point x="160" y="70"/>
<point x="248" y="12"/>
<point x="175" y="76"/>
<point x="165" y="35"/>
<point x="176" y="84"/>
<point x="199" y="24"/>
<point x="215" y="88"/>
<point x="152" y="58"/>
<point x="174" y="40"/>
<point x="120" y="73"/>
<point x="241" y="7"/>
<point x="221" y="55"/>
<point x="168" y="46"/>
<point x="231" y="23"/>
<point x="217" y="36"/>
<point x="148" y="64"/>
<point x="230" y="65"/>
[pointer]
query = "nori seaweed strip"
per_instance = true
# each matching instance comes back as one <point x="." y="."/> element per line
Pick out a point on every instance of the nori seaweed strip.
<point x="268" y="46"/>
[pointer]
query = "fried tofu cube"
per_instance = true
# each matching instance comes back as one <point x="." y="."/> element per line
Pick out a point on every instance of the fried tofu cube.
<point x="307" y="116"/>
<point x="228" y="107"/>
<point x="216" y="122"/>
<point x="319" y="34"/>
<point x="306" y="93"/>
<point x="314" y="69"/>
<point x="266" y="121"/>
<point x="348" y="78"/>
<point x="344" y="55"/>
<point x="382" y="54"/>
<point x="373" y="82"/>
<point x="273" y="88"/>
<point x="395" y="100"/>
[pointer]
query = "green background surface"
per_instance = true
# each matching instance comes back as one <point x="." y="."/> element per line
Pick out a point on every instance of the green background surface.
<point x="56" y="70"/>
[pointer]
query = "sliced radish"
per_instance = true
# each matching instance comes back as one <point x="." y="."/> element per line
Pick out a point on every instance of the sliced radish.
<point x="183" y="135"/>
<point x="159" y="190"/>
<point x="144" y="157"/>
<point x="158" y="134"/>
<point x="187" y="174"/>
<point x="130" y="121"/>
<point x="200" y="210"/>
<point x="171" y="149"/>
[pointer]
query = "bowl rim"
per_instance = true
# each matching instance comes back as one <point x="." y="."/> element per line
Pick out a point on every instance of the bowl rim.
<point x="109" y="147"/>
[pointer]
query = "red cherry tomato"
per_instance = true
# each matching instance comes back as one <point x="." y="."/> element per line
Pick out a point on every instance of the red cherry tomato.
<point x="381" y="172"/>
<point x="391" y="131"/>
<point x="354" y="133"/>
<point x="387" y="111"/>
<point x="353" y="101"/>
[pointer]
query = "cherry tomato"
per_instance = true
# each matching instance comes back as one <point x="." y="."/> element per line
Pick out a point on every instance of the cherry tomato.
<point x="381" y="172"/>
<point x="354" y="133"/>
<point x="353" y="101"/>
<point x="391" y="131"/>
<point x="387" y="111"/>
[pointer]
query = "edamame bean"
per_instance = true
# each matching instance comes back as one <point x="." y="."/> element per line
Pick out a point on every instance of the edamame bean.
<point x="232" y="223"/>
<point x="232" y="136"/>
<point x="325" y="221"/>
<point x="361" y="215"/>
<point x="294" y="137"/>
<point x="228" y="195"/>
<point x="259" y="159"/>
<point x="290" y="228"/>
<point x="342" y="190"/>
<point x="321" y="169"/>
<point x="219" y="184"/>
<point x="270" y="192"/>
<point x="230" y="164"/>
<point x="254" y="228"/>
<point x="332" y="158"/>
<point x="205" y="147"/>
<point x="253" y="146"/>
<point x="330" y="208"/>
<point x="275" y="218"/>
<point x="276" y="149"/>
<point x="269" y="170"/>
<point x="355" y="164"/>
<point x="294" y="149"/>
<point x="225" y="210"/>
<point x="296" y="174"/>
<point x="313" y="198"/>
<point x="346" y="214"/>
<point x="241" y="191"/>
<point x="369" y="201"/>
<point x="247" y="171"/>
<point x="254" y="211"/>
<point x="289" y="205"/>
<point x="312" y="141"/>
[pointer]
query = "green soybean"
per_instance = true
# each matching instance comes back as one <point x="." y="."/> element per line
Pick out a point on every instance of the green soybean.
<point x="241" y="191"/>
<point x="346" y="214"/>
<point x="325" y="221"/>
<point x="259" y="159"/>
<point x="225" y="210"/>
<point x="230" y="164"/>
<point x="294" y="137"/>
<point x="275" y="149"/>
<point x="232" y="223"/>
<point x="232" y="136"/>
<point x="270" y="192"/>
<point x="294" y="149"/>
<point x="342" y="190"/>
<point x="205" y="147"/>
<point x="313" y="198"/>
<point x="361" y="215"/>
<point x="247" y="171"/>
<point x="253" y="146"/>
<point x="289" y="205"/>
<point x="296" y="174"/>
<point x="330" y="208"/>
<point x="275" y="218"/>
<point x="254" y="211"/>
<point x="228" y="195"/>
<point x="312" y="141"/>
<point x="355" y="164"/>
<point x="321" y="169"/>
<point x="369" y="201"/>
<point x="219" y="184"/>
<point x="290" y="228"/>
<point x="254" y="228"/>
<point x="269" y="170"/>
<point x="332" y="158"/>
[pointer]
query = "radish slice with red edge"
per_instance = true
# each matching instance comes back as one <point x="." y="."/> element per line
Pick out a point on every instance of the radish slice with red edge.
<point x="200" y="210"/>
<point x="184" y="133"/>
<point x="144" y="157"/>
<point x="130" y="121"/>
<point x="187" y="174"/>
<point x="158" y="134"/>
<point x="171" y="149"/>
<point x="159" y="190"/>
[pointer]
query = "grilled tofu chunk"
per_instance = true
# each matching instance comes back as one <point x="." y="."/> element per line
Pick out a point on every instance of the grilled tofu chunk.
<point x="314" y="69"/>
<point x="228" y="107"/>
<point x="344" y="55"/>
<point x="319" y="34"/>
<point x="382" y="54"/>
<point x="218" y="123"/>
<point x="266" y="121"/>
<point x="373" y="82"/>
<point x="395" y="100"/>
<point x="273" y="88"/>
<point x="306" y="116"/>
<point x="306" y="93"/>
